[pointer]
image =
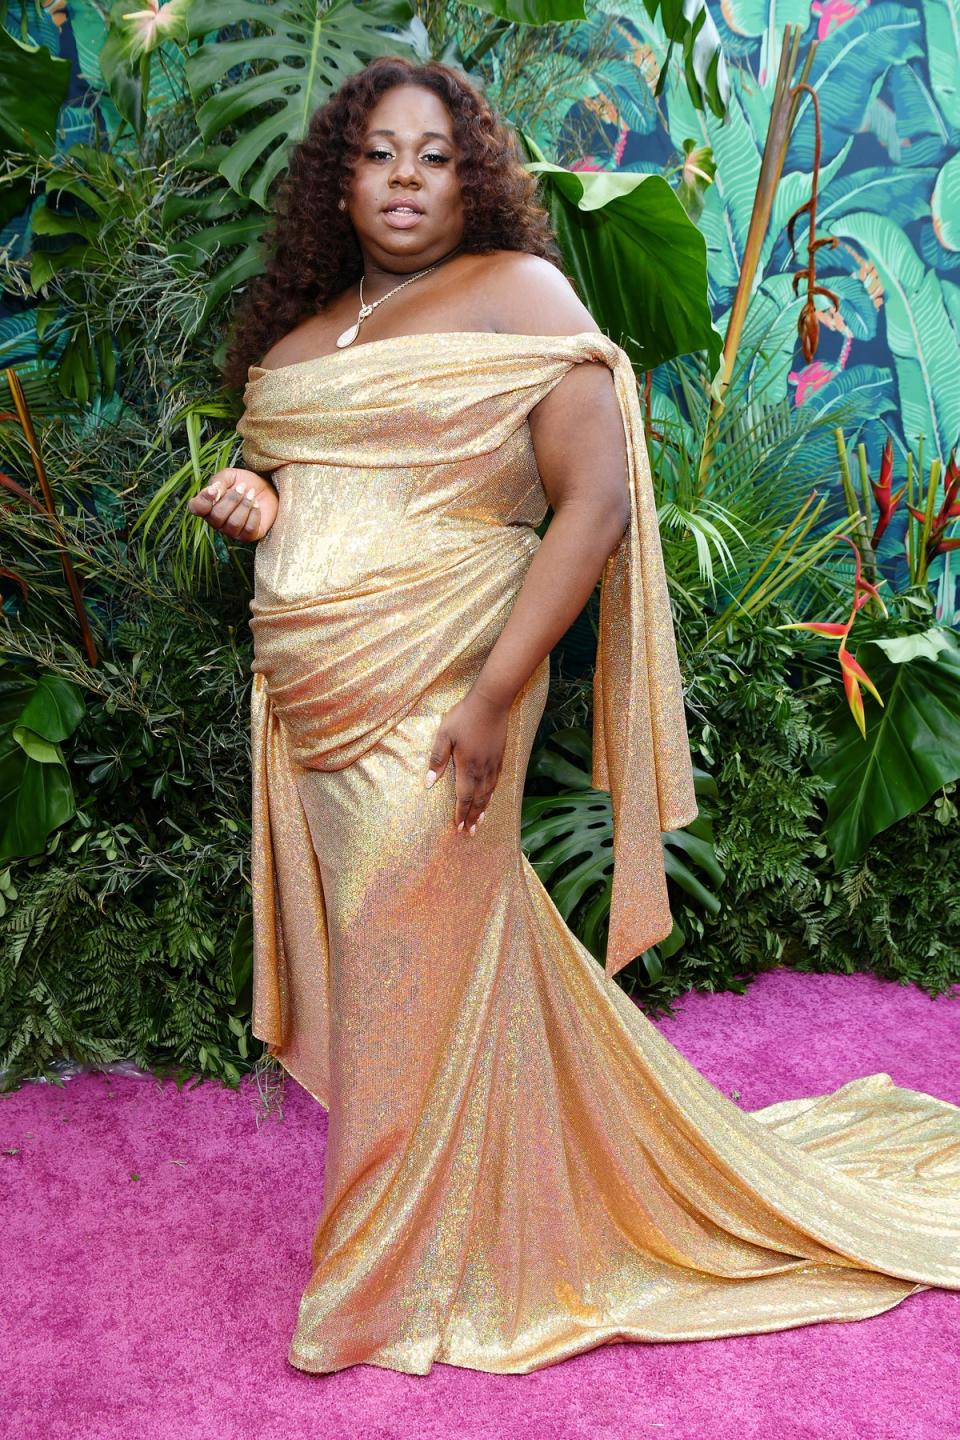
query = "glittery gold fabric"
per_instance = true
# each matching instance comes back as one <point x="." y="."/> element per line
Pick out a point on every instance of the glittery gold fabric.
<point x="519" y="1166"/>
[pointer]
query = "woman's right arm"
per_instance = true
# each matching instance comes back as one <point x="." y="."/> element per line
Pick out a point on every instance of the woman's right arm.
<point x="241" y="503"/>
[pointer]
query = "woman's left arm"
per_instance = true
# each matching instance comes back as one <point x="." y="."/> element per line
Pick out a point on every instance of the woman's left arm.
<point x="580" y="447"/>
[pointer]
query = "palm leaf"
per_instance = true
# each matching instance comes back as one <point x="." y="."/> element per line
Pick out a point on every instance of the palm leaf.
<point x="568" y="839"/>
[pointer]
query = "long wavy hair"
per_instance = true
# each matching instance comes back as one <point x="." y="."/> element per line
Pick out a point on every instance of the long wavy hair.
<point x="311" y="252"/>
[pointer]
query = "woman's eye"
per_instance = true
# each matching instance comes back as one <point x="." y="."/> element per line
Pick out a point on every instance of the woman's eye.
<point x="431" y="155"/>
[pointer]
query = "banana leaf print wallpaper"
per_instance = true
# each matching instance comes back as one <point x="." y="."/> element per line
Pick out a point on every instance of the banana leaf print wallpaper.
<point x="887" y="77"/>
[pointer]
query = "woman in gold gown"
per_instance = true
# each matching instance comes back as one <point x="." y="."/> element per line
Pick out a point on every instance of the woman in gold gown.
<point x="519" y="1165"/>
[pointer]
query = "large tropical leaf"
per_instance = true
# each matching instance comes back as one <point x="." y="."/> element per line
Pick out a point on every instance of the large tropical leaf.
<point x="945" y="204"/>
<point x="902" y="194"/>
<point x="921" y="134"/>
<point x="918" y="330"/>
<point x="942" y="21"/>
<point x="532" y="12"/>
<point x="36" y="794"/>
<point x="300" y="53"/>
<point x="760" y="19"/>
<point x="849" y="67"/>
<point x="33" y="86"/>
<point x="689" y="24"/>
<point x="638" y="259"/>
<point x="912" y="745"/>
<point x="736" y="146"/>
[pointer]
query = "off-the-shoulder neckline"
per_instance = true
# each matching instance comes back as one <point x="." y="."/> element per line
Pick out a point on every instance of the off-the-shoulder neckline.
<point x="597" y="336"/>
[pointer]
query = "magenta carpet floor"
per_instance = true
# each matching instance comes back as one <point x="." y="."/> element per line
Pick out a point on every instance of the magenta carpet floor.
<point x="155" y="1244"/>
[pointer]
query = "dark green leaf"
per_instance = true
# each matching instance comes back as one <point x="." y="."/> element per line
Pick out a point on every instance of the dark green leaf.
<point x="912" y="747"/>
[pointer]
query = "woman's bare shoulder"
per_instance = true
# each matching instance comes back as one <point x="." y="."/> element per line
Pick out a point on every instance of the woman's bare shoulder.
<point x="305" y="340"/>
<point x="530" y="296"/>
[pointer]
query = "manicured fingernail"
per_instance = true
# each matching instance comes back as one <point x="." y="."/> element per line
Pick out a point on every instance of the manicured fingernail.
<point x="473" y="829"/>
<point x="480" y="817"/>
<point x="460" y="826"/>
<point x="431" y="776"/>
<point x="251" y="493"/>
<point x="213" y="490"/>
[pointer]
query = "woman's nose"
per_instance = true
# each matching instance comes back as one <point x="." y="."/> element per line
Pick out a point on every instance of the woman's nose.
<point x="404" y="170"/>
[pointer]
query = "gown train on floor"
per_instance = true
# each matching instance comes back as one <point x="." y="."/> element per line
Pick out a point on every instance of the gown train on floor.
<point x="519" y="1165"/>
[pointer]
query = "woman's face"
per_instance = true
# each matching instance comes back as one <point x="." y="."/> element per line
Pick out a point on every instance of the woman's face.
<point x="408" y="157"/>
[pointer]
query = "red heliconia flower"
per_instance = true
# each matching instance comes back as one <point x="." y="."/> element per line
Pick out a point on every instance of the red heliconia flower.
<point x="886" y="503"/>
<point x="949" y="510"/>
<point x="853" y="672"/>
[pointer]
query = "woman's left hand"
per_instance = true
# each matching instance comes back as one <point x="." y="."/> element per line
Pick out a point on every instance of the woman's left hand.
<point x="472" y="732"/>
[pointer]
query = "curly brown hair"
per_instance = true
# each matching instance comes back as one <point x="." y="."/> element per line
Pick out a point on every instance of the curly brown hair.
<point x="311" y="251"/>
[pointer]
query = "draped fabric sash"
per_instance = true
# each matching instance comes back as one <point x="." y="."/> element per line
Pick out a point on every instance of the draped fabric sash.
<point x="413" y="417"/>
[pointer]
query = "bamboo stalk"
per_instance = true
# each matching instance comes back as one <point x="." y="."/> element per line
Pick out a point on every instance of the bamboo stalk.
<point x="869" y="558"/>
<point x="928" y="516"/>
<point x="853" y="506"/>
<point x="911" y="547"/>
<point x="782" y="114"/>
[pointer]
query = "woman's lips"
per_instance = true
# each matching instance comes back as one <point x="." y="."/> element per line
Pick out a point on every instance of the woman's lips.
<point x="402" y="219"/>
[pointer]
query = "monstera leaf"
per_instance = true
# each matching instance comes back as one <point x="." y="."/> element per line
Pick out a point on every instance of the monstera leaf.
<point x="302" y="52"/>
<point x="919" y="331"/>
<point x="639" y="261"/>
<point x="912" y="745"/>
<point x="572" y="831"/>
<point x="35" y="790"/>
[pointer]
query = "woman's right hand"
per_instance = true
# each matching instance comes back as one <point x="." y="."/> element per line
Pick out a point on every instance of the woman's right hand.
<point x="239" y="502"/>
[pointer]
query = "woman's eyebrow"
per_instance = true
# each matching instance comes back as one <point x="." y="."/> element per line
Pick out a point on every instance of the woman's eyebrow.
<point x="425" y="134"/>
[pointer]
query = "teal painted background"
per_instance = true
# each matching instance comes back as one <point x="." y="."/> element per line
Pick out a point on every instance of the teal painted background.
<point x="888" y="81"/>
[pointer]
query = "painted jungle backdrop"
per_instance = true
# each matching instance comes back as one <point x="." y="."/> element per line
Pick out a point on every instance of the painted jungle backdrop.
<point x="761" y="204"/>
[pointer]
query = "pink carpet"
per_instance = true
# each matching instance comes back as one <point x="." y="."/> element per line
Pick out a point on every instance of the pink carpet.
<point x="155" y="1244"/>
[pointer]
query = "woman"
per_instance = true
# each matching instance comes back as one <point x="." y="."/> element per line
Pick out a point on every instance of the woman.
<point x="519" y="1166"/>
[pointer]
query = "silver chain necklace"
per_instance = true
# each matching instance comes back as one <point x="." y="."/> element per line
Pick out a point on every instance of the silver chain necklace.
<point x="348" y="336"/>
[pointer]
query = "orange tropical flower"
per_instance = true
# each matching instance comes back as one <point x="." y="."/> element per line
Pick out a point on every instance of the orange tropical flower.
<point x="853" y="672"/>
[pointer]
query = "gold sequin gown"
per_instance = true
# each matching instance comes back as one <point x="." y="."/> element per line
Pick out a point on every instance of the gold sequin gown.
<point x="519" y="1165"/>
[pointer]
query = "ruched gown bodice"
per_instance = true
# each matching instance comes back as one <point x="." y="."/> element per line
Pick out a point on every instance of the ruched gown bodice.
<point x="518" y="1165"/>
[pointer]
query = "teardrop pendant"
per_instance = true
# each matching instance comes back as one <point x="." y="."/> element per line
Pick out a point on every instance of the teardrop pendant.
<point x="348" y="336"/>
